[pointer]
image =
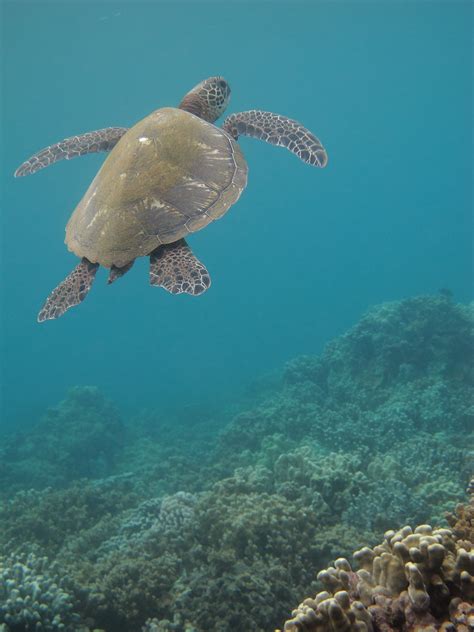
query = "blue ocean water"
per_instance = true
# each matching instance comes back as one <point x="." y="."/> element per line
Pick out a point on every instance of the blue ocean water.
<point x="387" y="87"/>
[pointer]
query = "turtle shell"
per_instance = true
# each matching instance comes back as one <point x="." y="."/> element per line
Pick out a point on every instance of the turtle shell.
<point x="170" y="175"/>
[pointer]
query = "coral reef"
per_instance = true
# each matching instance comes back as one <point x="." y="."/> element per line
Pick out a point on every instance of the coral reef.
<point x="229" y="548"/>
<point x="462" y="520"/>
<point x="80" y="437"/>
<point x="152" y="518"/>
<point x="405" y="370"/>
<point x="193" y="524"/>
<point x="393" y="343"/>
<point x="35" y="595"/>
<point x="73" y="520"/>
<point x="414" y="580"/>
<point x="392" y="399"/>
<point x="153" y="625"/>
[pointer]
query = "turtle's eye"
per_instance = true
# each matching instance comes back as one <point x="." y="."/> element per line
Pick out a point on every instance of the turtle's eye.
<point x="222" y="87"/>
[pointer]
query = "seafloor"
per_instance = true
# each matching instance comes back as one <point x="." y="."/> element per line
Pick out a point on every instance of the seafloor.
<point x="206" y="521"/>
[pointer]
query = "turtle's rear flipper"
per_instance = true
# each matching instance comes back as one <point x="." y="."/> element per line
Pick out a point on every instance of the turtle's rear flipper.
<point x="174" y="267"/>
<point x="92" y="142"/>
<point x="70" y="292"/>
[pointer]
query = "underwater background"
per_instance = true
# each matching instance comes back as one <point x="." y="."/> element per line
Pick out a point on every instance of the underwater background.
<point x="171" y="463"/>
<point x="387" y="89"/>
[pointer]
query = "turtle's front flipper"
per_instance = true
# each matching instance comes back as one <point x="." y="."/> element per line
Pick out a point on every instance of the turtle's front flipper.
<point x="100" y="140"/>
<point x="70" y="292"/>
<point x="174" y="267"/>
<point x="278" y="130"/>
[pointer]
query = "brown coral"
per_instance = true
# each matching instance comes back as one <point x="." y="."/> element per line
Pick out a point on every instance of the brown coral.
<point x="462" y="520"/>
<point x="421" y="580"/>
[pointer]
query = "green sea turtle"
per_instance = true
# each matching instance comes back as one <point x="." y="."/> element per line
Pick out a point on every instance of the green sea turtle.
<point x="169" y="175"/>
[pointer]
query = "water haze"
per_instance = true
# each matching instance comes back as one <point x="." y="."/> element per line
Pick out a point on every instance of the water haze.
<point x="387" y="87"/>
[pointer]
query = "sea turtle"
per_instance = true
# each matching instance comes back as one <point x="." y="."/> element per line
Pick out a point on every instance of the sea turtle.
<point x="169" y="175"/>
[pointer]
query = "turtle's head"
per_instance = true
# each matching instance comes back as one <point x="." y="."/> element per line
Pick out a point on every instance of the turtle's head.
<point x="208" y="99"/>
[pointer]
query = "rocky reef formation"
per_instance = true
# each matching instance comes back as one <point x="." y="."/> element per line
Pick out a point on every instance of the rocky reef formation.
<point x="79" y="438"/>
<point x="392" y="398"/>
<point x="421" y="579"/>
<point x="206" y="526"/>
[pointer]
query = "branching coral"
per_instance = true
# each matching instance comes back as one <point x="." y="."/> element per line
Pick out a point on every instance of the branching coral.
<point x="35" y="596"/>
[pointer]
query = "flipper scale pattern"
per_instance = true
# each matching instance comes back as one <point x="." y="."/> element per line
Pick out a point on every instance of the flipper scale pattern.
<point x="278" y="130"/>
<point x="175" y="268"/>
<point x="89" y="143"/>
<point x="69" y="292"/>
